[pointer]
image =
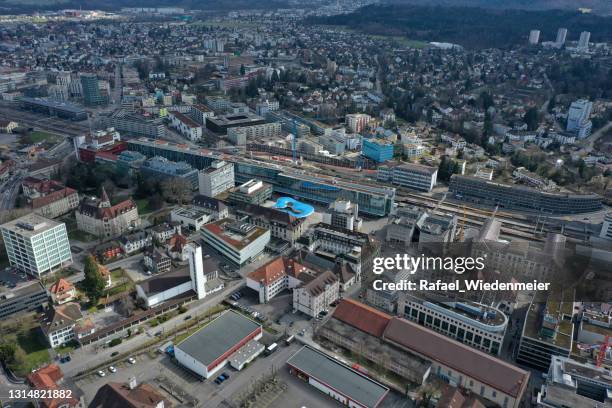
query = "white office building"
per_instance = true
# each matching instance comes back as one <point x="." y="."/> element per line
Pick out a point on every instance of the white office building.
<point x="36" y="245"/>
<point x="216" y="179"/>
<point x="343" y="214"/>
<point x="191" y="218"/>
<point x="479" y="326"/>
<point x="239" y="242"/>
<point x="414" y="176"/>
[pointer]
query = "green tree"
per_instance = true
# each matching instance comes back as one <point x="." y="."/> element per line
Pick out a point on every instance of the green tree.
<point x="7" y="352"/>
<point x="93" y="282"/>
<point x="242" y="69"/>
<point x="532" y="118"/>
<point x="447" y="168"/>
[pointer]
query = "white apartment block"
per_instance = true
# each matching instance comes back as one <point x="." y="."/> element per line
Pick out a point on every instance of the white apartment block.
<point x="199" y="113"/>
<point x="534" y="37"/>
<point x="216" y="179"/>
<point x="185" y="125"/>
<point x="239" y="135"/>
<point x="36" y="245"/>
<point x="357" y="122"/>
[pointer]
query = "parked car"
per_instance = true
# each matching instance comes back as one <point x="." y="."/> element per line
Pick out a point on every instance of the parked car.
<point x="131" y="360"/>
<point x="101" y="373"/>
<point x="112" y="369"/>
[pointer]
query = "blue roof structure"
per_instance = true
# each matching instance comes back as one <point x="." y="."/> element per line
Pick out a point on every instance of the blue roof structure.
<point x="294" y="207"/>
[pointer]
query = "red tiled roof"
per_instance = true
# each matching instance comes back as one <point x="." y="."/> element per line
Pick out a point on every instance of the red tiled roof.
<point x="277" y="269"/>
<point x="362" y="317"/>
<point x="476" y="364"/>
<point x="52" y="197"/>
<point x="46" y="377"/>
<point x="61" y="286"/>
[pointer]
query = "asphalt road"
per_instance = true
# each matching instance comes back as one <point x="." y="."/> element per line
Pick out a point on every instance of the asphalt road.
<point x="93" y="355"/>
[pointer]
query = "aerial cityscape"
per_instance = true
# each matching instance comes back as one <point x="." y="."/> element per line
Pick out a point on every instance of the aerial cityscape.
<point x="253" y="204"/>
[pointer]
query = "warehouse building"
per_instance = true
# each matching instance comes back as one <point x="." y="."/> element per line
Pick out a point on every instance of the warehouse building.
<point x="339" y="381"/>
<point x="208" y="350"/>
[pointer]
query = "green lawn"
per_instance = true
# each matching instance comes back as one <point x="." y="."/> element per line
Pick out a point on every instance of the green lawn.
<point x="407" y="42"/>
<point x="39" y="136"/>
<point x="124" y="287"/>
<point x="117" y="274"/>
<point x="35" y="347"/>
<point x="66" y="348"/>
<point x="81" y="236"/>
<point x="143" y="206"/>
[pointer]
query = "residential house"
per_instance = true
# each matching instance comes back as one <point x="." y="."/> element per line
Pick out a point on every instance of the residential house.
<point x="135" y="242"/>
<point x="62" y="291"/>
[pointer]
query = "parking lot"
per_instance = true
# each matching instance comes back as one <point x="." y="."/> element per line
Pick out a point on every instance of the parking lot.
<point x="11" y="278"/>
<point x="161" y="369"/>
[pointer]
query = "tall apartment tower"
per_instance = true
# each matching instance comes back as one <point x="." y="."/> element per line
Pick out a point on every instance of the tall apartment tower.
<point x="583" y="43"/>
<point x="578" y="118"/>
<point x="561" y="37"/>
<point x="92" y="95"/>
<point x="196" y="269"/>
<point x="534" y="37"/>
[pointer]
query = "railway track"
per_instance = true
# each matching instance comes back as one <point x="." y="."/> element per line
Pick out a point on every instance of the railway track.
<point x="472" y="216"/>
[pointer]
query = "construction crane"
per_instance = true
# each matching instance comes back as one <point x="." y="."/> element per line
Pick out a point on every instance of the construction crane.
<point x="462" y="226"/>
<point x="602" y="351"/>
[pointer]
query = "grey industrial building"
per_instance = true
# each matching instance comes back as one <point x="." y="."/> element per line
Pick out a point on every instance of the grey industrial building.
<point x="481" y="191"/>
<point x="220" y="124"/>
<point x="208" y="350"/>
<point x="24" y="298"/>
<point x="53" y="108"/>
<point x="335" y="379"/>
